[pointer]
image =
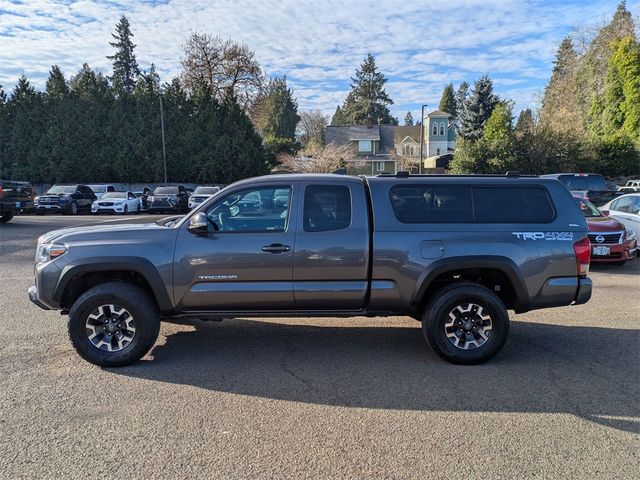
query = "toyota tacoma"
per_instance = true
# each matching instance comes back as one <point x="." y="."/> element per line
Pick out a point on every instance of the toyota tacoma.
<point x="454" y="252"/>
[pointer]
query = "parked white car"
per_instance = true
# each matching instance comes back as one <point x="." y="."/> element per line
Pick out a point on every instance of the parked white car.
<point x="626" y="209"/>
<point x="99" y="189"/>
<point x="202" y="193"/>
<point x="117" y="202"/>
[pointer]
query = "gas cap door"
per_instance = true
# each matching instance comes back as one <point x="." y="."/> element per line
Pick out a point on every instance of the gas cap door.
<point x="432" y="249"/>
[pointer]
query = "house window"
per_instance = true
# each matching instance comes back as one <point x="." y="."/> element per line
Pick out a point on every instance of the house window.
<point x="364" y="146"/>
<point x="435" y="129"/>
<point x="379" y="166"/>
<point x="442" y="129"/>
<point x="438" y="151"/>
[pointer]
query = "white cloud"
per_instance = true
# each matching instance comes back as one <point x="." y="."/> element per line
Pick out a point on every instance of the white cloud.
<point x="420" y="46"/>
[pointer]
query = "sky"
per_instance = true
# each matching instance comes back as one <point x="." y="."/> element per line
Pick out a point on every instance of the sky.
<point x="420" y="46"/>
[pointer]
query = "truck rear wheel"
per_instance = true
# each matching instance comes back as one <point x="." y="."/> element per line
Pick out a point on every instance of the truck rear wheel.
<point x="7" y="216"/>
<point x="466" y="323"/>
<point x="113" y="324"/>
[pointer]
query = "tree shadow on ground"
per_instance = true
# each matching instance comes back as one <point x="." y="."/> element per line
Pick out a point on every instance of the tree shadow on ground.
<point x="589" y="372"/>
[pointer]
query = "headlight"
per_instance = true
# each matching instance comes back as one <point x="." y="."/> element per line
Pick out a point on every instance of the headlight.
<point x="173" y="199"/>
<point x="50" y="251"/>
<point x="150" y="199"/>
<point x="630" y="233"/>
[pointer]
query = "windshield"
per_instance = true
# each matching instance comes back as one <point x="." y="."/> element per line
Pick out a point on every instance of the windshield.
<point x="98" y="188"/>
<point x="115" y="195"/>
<point x="588" y="209"/>
<point x="62" y="189"/>
<point x="165" y="191"/>
<point x="206" y="190"/>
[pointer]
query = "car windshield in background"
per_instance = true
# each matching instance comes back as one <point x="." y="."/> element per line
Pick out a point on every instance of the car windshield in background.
<point x="115" y="195"/>
<point x="588" y="209"/>
<point x="206" y="190"/>
<point x="62" y="189"/>
<point x="583" y="182"/>
<point x="166" y="191"/>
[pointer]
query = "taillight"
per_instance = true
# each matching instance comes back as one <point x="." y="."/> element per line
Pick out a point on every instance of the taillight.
<point x="1" y="192"/>
<point x="582" y="249"/>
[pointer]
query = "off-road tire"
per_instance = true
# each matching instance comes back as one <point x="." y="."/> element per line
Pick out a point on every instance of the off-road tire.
<point x="134" y="300"/>
<point x="446" y="299"/>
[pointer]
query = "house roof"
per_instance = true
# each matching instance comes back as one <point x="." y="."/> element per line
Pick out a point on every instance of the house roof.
<point x="439" y="113"/>
<point x="403" y="132"/>
<point x="343" y="134"/>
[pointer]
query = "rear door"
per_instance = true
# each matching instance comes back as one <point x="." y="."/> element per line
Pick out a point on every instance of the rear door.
<point x="330" y="264"/>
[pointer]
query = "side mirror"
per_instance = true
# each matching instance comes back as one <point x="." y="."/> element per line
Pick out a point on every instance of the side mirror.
<point x="198" y="224"/>
<point x="605" y="212"/>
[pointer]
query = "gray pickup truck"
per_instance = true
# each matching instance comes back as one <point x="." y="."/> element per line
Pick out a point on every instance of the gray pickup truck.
<point x="454" y="252"/>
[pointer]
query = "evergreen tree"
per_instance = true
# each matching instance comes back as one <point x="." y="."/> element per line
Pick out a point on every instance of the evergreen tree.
<point x="125" y="65"/>
<point x="367" y="102"/>
<point x="278" y="117"/>
<point x="477" y="109"/>
<point x="460" y="101"/>
<point x="57" y="86"/>
<point x="408" y="119"/>
<point x="338" y="118"/>
<point x="448" y="101"/>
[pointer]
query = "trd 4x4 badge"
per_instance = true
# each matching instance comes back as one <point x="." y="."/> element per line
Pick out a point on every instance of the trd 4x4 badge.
<point x="557" y="236"/>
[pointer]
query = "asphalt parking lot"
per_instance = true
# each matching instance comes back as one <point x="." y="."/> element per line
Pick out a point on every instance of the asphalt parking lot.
<point x="319" y="398"/>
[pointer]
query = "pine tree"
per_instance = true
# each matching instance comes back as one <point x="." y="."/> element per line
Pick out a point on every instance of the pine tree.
<point x="338" y="118"/>
<point x="460" y="101"/>
<point x="367" y="102"/>
<point x="477" y="109"/>
<point x="448" y="101"/>
<point x="57" y="86"/>
<point x="408" y="119"/>
<point x="278" y="117"/>
<point x="125" y="66"/>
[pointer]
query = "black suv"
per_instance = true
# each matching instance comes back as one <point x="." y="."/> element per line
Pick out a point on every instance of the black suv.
<point x="169" y="198"/>
<point x="70" y="199"/>
<point x="14" y="197"/>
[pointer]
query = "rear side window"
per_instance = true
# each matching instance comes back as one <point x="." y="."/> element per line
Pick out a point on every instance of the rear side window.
<point x="429" y="204"/>
<point x="326" y="208"/>
<point x="512" y="205"/>
<point x="464" y="204"/>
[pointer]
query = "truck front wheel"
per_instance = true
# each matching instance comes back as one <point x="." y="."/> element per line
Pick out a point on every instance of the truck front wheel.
<point x="113" y="324"/>
<point x="465" y="323"/>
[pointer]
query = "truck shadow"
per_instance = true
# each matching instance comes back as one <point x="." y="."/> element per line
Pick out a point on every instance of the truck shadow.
<point x="589" y="372"/>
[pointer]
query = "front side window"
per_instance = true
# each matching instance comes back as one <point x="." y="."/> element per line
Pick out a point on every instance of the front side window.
<point x="326" y="208"/>
<point x="251" y="210"/>
<point x="624" y="204"/>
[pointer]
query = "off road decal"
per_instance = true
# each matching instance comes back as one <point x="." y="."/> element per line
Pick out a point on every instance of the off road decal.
<point x="554" y="236"/>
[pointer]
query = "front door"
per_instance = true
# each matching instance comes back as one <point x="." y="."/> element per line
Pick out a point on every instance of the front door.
<point x="245" y="262"/>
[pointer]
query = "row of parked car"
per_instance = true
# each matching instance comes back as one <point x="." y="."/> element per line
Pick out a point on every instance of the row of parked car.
<point x="72" y="199"/>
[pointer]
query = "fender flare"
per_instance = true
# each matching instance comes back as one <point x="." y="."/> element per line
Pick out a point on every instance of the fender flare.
<point x="104" y="264"/>
<point x="496" y="262"/>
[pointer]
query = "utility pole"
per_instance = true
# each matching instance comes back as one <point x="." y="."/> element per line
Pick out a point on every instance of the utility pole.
<point x="421" y="135"/>
<point x="164" y="150"/>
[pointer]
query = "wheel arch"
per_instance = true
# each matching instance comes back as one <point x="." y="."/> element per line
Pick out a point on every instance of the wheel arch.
<point x="499" y="268"/>
<point x="77" y="277"/>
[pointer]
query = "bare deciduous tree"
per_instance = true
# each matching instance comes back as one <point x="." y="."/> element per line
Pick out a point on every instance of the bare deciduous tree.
<point x="220" y="64"/>
<point x="311" y="127"/>
<point x="318" y="159"/>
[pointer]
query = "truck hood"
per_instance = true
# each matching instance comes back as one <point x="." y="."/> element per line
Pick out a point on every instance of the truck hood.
<point x="106" y="233"/>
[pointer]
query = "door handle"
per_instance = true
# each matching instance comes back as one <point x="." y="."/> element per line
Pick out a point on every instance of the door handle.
<point x="276" y="248"/>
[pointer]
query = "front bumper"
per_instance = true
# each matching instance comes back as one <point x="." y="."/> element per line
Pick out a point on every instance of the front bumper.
<point x="618" y="252"/>
<point x="33" y="296"/>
